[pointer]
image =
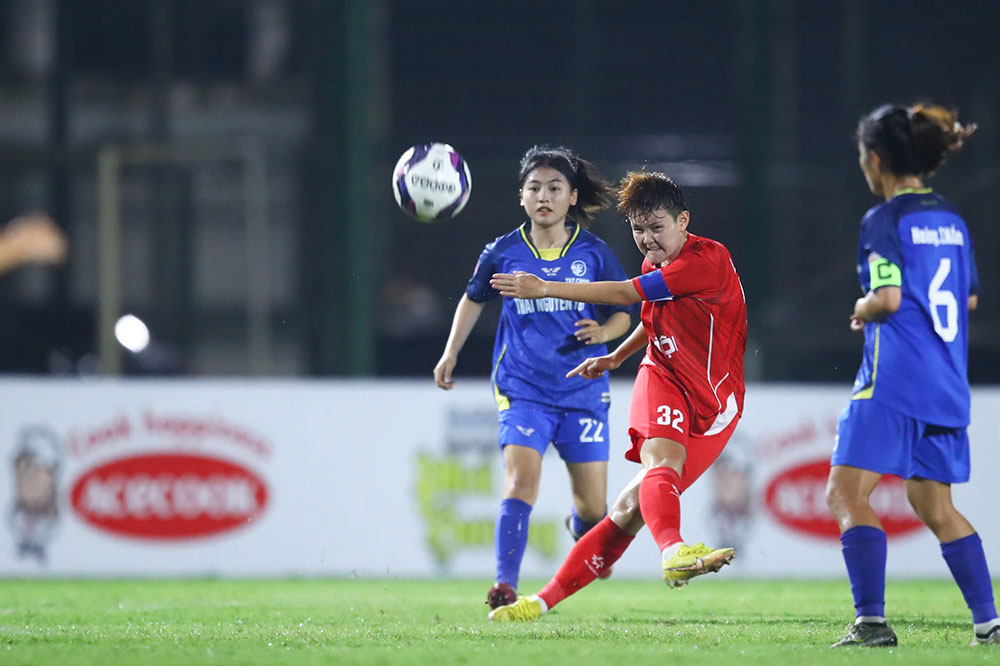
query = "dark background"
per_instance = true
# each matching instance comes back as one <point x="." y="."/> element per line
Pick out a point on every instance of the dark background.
<point x="751" y="106"/>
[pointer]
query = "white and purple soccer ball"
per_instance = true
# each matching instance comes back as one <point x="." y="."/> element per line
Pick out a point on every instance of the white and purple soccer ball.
<point x="431" y="182"/>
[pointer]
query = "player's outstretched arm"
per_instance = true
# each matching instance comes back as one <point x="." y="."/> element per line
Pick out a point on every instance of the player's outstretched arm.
<point x="525" y="285"/>
<point x="466" y="315"/>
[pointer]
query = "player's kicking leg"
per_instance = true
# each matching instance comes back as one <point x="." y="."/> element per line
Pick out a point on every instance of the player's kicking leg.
<point x="659" y="499"/>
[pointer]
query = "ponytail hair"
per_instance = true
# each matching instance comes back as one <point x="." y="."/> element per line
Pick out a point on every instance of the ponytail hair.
<point x="592" y="192"/>
<point x="915" y="140"/>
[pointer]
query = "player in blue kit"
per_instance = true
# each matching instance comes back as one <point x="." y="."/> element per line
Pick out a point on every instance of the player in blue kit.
<point x="910" y="407"/>
<point x="537" y="343"/>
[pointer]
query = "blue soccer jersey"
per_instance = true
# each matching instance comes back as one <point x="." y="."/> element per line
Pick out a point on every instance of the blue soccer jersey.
<point x="535" y="344"/>
<point x="916" y="361"/>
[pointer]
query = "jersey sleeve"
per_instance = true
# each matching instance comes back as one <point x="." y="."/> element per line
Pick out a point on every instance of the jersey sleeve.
<point x="689" y="274"/>
<point x="478" y="289"/>
<point x="611" y="270"/>
<point x="879" y="234"/>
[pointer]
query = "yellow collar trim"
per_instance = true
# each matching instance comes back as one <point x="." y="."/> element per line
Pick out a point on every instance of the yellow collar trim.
<point x="549" y="253"/>
<point x="912" y="190"/>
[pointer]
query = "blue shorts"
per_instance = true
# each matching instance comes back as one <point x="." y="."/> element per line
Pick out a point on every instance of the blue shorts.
<point x="578" y="435"/>
<point x="878" y="438"/>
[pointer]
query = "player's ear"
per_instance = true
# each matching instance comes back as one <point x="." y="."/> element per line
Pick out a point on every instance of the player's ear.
<point x="573" y="196"/>
<point x="683" y="218"/>
<point x="874" y="160"/>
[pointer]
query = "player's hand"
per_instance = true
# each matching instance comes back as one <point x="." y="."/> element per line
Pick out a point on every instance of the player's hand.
<point x="36" y="237"/>
<point x="442" y="371"/>
<point x="590" y="332"/>
<point x="518" y="284"/>
<point x="594" y="367"/>
<point x="857" y="323"/>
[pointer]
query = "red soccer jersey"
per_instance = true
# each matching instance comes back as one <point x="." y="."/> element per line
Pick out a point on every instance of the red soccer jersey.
<point x="695" y="315"/>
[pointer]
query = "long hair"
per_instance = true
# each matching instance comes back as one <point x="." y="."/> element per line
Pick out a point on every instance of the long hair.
<point x="592" y="192"/>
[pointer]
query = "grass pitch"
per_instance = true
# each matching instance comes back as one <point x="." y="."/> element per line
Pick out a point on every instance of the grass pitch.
<point x="712" y="621"/>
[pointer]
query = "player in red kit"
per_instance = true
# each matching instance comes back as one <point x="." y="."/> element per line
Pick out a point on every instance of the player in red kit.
<point x="688" y="393"/>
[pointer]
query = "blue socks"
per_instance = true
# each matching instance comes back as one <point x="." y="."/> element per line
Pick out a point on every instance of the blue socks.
<point x="511" y="539"/>
<point x="967" y="561"/>
<point x="864" y="552"/>
<point x="577" y="525"/>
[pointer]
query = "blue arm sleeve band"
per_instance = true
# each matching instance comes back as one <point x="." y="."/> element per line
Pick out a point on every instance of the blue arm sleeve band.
<point x="654" y="288"/>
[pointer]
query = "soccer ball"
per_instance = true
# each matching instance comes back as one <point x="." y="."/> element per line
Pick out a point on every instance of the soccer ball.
<point x="431" y="182"/>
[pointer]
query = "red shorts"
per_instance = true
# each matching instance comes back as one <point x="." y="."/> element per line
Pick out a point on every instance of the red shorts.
<point x="660" y="409"/>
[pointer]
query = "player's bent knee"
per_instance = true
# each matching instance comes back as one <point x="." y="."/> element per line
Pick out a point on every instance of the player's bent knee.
<point x="625" y="512"/>
<point x="837" y="501"/>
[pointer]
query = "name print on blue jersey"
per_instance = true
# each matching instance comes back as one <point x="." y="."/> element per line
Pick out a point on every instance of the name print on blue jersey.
<point x="527" y="306"/>
<point x="523" y="365"/>
<point x="936" y="237"/>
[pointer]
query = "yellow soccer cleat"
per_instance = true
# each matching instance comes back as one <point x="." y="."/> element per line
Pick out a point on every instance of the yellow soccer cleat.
<point x="691" y="561"/>
<point x="522" y="610"/>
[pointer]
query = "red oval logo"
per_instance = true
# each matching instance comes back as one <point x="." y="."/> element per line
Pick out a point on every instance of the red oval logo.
<point x="797" y="499"/>
<point x="169" y="496"/>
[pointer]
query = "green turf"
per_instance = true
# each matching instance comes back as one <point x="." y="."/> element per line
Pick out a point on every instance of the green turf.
<point x="444" y="622"/>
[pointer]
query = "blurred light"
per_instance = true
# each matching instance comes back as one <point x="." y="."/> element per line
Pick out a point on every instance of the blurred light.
<point x="132" y="333"/>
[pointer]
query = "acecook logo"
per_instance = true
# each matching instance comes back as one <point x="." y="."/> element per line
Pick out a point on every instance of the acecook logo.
<point x="169" y="496"/>
<point x="796" y="498"/>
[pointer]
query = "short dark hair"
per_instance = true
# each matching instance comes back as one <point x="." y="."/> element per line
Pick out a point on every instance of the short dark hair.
<point x="915" y="140"/>
<point x="642" y="192"/>
<point x="592" y="192"/>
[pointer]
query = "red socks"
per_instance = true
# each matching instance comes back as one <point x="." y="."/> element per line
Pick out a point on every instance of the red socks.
<point x="596" y="550"/>
<point x="660" y="504"/>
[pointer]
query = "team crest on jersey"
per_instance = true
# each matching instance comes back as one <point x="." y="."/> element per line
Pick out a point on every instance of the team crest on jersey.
<point x="579" y="268"/>
<point x="550" y="272"/>
<point x="666" y="344"/>
<point x="525" y="431"/>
